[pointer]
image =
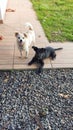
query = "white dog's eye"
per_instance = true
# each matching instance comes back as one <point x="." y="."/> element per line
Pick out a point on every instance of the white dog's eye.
<point x="18" y="37"/>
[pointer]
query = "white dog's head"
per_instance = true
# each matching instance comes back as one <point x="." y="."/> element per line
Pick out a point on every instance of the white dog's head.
<point x="20" y="38"/>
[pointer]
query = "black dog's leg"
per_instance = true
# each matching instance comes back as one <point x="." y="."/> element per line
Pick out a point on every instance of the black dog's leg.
<point x="32" y="61"/>
<point x="53" y="56"/>
<point x="41" y="64"/>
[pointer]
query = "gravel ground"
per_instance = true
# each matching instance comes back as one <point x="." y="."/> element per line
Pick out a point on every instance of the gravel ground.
<point x="36" y="102"/>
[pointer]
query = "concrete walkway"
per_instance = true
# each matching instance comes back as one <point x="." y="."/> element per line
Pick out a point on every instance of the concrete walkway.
<point x="14" y="21"/>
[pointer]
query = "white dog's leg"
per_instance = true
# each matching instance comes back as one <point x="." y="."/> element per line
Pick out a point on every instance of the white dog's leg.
<point x="27" y="52"/>
<point x="20" y="54"/>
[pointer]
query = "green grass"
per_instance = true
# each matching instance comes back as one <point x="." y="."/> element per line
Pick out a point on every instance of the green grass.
<point x="56" y="18"/>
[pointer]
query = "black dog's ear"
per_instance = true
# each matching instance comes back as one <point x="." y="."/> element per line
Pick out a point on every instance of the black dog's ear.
<point x="35" y="48"/>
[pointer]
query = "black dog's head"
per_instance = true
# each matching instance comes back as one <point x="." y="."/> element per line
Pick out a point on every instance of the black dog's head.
<point x="39" y="52"/>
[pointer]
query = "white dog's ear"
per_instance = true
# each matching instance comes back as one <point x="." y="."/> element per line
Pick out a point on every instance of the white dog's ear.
<point x="16" y="33"/>
<point x="25" y="34"/>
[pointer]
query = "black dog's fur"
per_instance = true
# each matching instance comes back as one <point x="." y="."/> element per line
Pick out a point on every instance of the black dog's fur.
<point x="41" y="54"/>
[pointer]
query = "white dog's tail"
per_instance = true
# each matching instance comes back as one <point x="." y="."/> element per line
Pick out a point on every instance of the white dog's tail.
<point x="28" y="25"/>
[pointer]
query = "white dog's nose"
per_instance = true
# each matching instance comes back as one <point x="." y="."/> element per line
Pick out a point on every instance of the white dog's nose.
<point x="20" y="40"/>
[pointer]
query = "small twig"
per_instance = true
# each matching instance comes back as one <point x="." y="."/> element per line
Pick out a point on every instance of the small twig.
<point x="37" y="119"/>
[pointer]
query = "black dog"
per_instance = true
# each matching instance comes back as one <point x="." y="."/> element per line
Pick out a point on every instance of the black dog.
<point x="41" y="54"/>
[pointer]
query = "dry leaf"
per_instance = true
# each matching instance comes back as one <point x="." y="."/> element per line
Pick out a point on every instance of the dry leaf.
<point x="64" y="95"/>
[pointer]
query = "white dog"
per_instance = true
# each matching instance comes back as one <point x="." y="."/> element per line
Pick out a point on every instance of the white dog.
<point x="24" y="40"/>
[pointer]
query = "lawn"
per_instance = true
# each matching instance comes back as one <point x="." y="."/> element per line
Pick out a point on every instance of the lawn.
<point x="56" y="18"/>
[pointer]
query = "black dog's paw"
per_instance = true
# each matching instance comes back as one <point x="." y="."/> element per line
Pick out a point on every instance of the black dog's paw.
<point x="29" y="63"/>
<point x="38" y="71"/>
